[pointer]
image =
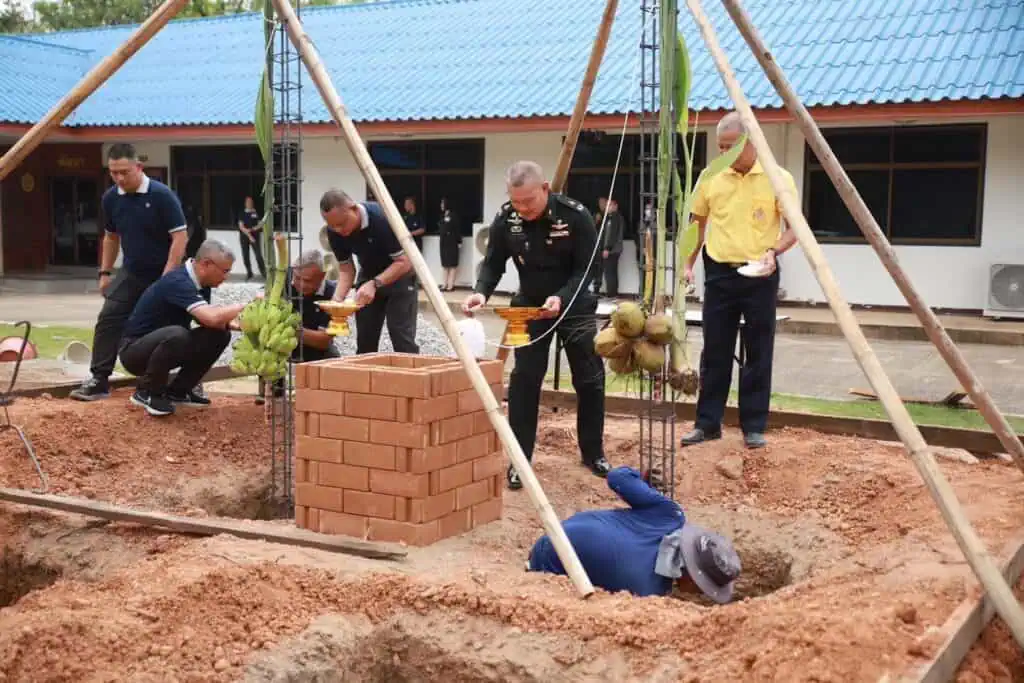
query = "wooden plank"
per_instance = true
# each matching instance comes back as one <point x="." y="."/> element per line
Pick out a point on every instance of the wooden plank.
<point x="964" y="627"/>
<point x="250" y="530"/>
<point x="975" y="441"/>
<point x="951" y="400"/>
<point x="64" y="389"/>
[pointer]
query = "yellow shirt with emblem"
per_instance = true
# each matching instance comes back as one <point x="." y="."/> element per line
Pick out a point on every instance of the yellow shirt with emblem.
<point x="744" y="217"/>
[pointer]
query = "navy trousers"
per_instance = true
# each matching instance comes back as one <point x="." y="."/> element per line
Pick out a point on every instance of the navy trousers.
<point x="728" y="296"/>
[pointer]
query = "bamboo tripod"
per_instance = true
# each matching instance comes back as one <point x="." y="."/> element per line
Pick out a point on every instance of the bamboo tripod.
<point x="973" y="549"/>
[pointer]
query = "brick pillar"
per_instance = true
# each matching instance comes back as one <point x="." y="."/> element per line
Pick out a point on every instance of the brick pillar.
<point x="395" y="447"/>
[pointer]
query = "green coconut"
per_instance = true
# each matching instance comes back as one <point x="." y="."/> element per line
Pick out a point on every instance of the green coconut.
<point x="623" y="365"/>
<point x="628" y="320"/>
<point x="610" y="344"/>
<point x="658" y="329"/>
<point x="649" y="356"/>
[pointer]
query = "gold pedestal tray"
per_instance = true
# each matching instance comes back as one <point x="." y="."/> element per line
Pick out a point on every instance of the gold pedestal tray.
<point x="516" y="333"/>
<point x="339" y="312"/>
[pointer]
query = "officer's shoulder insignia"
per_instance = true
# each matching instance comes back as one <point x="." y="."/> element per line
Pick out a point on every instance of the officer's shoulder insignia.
<point x="505" y="208"/>
<point x="571" y="203"/>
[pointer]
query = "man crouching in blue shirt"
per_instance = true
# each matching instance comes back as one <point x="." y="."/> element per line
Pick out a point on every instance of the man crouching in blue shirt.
<point x="159" y="335"/>
<point x="645" y="548"/>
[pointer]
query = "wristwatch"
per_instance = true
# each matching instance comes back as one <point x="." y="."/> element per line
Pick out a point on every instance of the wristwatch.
<point x="377" y="283"/>
<point x="105" y="272"/>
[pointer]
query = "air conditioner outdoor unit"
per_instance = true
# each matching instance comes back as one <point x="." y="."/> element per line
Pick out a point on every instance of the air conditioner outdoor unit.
<point x="1005" y="291"/>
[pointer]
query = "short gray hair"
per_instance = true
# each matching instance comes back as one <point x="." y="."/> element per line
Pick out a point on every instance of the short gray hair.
<point x="731" y="122"/>
<point x="333" y="199"/>
<point x="524" y="173"/>
<point x="310" y="257"/>
<point x="212" y="249"/>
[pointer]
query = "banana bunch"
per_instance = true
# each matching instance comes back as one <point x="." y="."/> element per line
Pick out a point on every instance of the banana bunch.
<point x="269" y="331"/>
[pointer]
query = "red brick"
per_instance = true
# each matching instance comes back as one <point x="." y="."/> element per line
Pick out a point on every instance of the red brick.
<point x="313" y="519"/>
<point x="473" y="447"/>
<point x="449" y="380"/>
<point x="317" y="401"/>
<point x="482" y="423"/>
<point x="403" y="360"/>
<point x="486" y="512"/>
<point x="301" y="516"/>
<point x="312" y="375"/>
<point x="498" y="389"/>
<point x="322" y="450"/>
<point x="432" y="361"/>
<point x="493" y="370"/>
<point x="362" y="454"/>
<point x="369" y="504"/>
<point x="423" y="411"/>
<point x="400" y="483"/>
<point x="345" y="377"/>
<point x="367" y="405"/>
<point x="320" y="497"/>
<point x="458" y="522"/>
<point x="402" y="459"/>
<point x="452" y="429"/>
<point x="344" y="428"/>
<point x="346" y="525"/>
<point x="399" y="434"/>
<point x="313" y="424"/>
<point x="402" y="509"/>
<point x="451" y="478"/>
<point x="300" y="376"/>
<point x="300" y="423"/>
<point x="471" y="494"/>
<point x="388" y="531"/>
<point x="376" y="358"/>
<point x="406" y="383"/>
<point x="498" y="484"/>
<point x="343" y="476"/>
<point x="431" y="507"/>
<point x="432" y="458"/>
<point x="403" y="408"/>
<point x="488" y="466"/>
<point x="301" y="471"/>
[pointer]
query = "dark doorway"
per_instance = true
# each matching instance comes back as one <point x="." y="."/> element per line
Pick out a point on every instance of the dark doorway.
<point x="74" y="210"/>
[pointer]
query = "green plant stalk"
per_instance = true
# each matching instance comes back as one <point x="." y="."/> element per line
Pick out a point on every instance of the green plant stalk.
<point x="264" y="125"/>
<point x="679" y="361"/>
<point x="666" y="141"/>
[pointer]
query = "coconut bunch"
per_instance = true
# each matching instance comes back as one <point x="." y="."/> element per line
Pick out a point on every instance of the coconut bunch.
<point x="634" y="341"/>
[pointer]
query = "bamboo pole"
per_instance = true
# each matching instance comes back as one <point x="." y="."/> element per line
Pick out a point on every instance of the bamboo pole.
<point x="974" y="551"/>
<point x="357" y="148"/>
<point x="96" y="77"/>
<point x="869" y="226"/>
<point x="604" y="30"/>
<point x="579" y="113"/>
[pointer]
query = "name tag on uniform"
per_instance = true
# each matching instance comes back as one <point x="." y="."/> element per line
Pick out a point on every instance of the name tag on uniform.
<point x="558" y="233"/>
<point x="515" y="228"/>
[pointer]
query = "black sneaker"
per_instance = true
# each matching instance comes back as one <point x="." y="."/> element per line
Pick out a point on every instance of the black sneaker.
<point x="92" y="389"/>
<point x="155" y="404"/>
<point x="514" y="482"/>
<point x="192" y="399"/>
<point x="600" y="467"/>
<point x="698" y="435"/>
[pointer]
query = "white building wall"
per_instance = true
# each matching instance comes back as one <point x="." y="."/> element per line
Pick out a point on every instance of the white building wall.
<point x="947" y="277"/>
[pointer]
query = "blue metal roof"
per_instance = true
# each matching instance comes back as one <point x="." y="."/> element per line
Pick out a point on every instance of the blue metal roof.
<point x="405" y="60"/>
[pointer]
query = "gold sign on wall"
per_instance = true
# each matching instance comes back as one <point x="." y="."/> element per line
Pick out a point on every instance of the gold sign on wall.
<point x="67" y="162"/>
<point x="28" y="182"/>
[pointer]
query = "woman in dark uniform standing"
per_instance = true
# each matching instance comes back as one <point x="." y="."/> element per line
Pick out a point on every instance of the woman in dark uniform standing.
<point x="451" y="242"/>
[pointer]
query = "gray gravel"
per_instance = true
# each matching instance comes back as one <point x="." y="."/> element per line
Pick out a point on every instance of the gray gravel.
<point x="431" y="339"/>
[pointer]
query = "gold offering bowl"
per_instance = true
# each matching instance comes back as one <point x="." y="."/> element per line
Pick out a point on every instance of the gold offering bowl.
<point x="339" y="312"/>
<point x="516" y="333"/>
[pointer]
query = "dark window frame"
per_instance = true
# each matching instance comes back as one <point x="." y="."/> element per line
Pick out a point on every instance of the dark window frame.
<point x="423" y="172"/>
<point x="812" y="165"/>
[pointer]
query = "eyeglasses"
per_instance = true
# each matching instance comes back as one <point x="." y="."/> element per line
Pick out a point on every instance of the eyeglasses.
<point x="226" y="271"/>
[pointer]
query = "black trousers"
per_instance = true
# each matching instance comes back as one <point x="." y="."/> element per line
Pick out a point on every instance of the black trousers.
<point x="611" y="275"/>
<point x="398" y="305"/>
<point x="727" y="296"/>
<point x="120" y="299"/>
<point x="257" y="248"/>
<point x="151" y="358"/>
<point x="577" y="330"/>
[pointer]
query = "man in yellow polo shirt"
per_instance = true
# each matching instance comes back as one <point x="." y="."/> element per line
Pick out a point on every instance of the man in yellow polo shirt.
<point x="739" y="220"/>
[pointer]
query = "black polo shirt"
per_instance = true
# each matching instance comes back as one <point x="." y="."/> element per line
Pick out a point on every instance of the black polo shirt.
<point x="144" y="220"/>
<point x="313" y="317"/>
<point x="373" y="244"/>
<point x="168" y="301"/>
<point x="250" y="218"/>
<point x="414" y="223"/>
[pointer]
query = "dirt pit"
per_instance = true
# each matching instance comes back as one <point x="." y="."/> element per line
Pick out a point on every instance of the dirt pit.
<point x="848" y="569"/>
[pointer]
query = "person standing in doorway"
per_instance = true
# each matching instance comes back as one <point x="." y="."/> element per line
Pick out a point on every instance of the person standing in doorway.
<point x="746" y="225"/>
<point x="598" y="267"/>
<point x="614" y="227"/>
<point x="551" y="240"/>
<point x="144" y="221"/>
<point x="451" y="242"/>
<point x="251" y="228"/>
<point x="384" y="284"/>
<point x="414" y="222"/>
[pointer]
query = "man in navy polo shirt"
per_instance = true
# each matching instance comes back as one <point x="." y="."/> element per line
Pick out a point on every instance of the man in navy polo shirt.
<point x="144" y="219"/>
<point x="159" y="335"/>
<point x="385" y="285"/>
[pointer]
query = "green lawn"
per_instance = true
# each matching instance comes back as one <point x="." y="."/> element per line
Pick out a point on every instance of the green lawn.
<point x="50" y="340"/>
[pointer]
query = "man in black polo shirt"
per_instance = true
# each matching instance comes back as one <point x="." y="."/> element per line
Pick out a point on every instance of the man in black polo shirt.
<point x="159" y="335"/>
<point x="385" y="285"/>
<point x="144" y="219"/>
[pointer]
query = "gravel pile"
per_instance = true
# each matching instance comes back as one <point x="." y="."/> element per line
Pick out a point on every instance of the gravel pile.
<point x="431" y="339"/>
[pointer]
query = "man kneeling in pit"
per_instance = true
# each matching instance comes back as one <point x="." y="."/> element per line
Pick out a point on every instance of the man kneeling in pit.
<point x="644" y="549"/>
<point x="159" y="335"/>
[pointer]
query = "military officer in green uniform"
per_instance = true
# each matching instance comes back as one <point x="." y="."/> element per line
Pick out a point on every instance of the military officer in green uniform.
<point x="551" y="239"/>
